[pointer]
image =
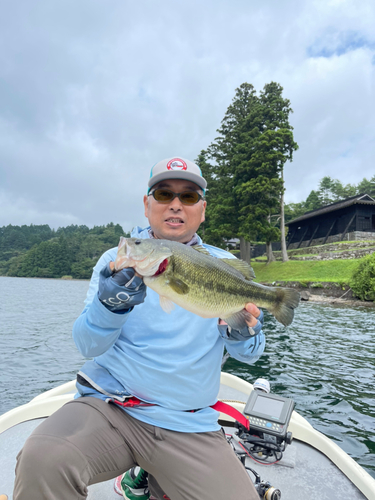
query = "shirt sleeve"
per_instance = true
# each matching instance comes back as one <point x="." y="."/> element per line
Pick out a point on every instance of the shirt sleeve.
<point x="97" y="328"/>
<point x="249" y="350"/>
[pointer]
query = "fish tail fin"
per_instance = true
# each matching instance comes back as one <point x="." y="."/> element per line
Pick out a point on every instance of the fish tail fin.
<point x="283" y="307"/>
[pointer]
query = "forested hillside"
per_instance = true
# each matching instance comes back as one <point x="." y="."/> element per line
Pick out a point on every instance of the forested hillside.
<point x="39" y="251"/>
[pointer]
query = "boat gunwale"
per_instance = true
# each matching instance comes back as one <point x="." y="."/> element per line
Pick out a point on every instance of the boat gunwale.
<point x="50" y="401"/>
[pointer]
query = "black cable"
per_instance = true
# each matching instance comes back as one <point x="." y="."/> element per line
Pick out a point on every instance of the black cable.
<point x="255" y="445"/>
<point x="276" y="454"/>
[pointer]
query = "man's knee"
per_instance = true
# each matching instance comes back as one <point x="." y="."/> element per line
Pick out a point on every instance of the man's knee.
<point x="46" y="463"/>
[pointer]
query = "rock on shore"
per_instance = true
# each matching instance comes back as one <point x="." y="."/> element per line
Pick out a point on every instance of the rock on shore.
<point x="332" y="293"/>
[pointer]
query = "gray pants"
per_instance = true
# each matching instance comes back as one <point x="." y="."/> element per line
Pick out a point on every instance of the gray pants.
<point x="88" y="441"/>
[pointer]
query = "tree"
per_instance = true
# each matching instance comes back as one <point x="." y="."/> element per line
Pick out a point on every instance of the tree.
<point x="255" y="141"/>
<point x="325" y="191"/>
<point x="83" y="268"/>
<point x="258" y="188"/>
<point x="313" y="201"/>
<point x="239" y="127"/>
<point x="284" y="253"/>
<point x="277" y="110"/>
<point x="72" y="250"/>
<point x="294" y="210"/>
<point x="332" y="190"/>
<point x="363" y="279"/>
<point x="253" y="175"/>
<point x="340" y="192"/>
<point x="210" y="230"/>
<point x="367" y="187"/>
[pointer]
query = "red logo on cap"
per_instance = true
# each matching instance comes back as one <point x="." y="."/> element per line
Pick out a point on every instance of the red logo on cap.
<point x="176" y="164"/>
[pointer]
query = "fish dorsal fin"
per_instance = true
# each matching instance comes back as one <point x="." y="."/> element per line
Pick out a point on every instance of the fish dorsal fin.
<point x="243" y="267"/>
<point x="201" y="249"/>
<point x="166" y="304"/>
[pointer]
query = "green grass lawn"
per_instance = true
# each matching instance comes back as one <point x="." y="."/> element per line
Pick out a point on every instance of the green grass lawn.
<point x="337" y="271"/>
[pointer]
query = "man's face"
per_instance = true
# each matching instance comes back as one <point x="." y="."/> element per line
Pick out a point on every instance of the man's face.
<point x="174" y="221"/>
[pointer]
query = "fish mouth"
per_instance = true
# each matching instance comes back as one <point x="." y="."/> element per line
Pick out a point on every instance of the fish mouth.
<point x="134" y="258"/>
<point x="150" y="265"/>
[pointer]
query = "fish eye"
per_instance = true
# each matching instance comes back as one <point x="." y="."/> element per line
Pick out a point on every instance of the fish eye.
<point x="137" y="242"/>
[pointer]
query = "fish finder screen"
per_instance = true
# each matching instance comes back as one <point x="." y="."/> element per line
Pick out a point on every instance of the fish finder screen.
<point x="268" y="406"/>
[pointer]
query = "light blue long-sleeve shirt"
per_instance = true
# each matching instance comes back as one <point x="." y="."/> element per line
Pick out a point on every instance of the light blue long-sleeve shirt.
<point x="171" y="360"/>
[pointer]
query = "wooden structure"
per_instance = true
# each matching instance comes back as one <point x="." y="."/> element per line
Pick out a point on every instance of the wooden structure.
<point x="334" y="222"/>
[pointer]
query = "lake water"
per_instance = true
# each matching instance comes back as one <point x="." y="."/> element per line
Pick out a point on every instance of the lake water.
<point x="325" y="360"/>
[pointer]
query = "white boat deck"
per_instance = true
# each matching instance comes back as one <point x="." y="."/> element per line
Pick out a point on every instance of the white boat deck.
<point x="304" y="472"/>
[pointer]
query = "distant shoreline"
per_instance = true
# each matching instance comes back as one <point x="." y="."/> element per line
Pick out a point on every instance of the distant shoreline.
<point x="324" y="292"/>
<point x="38" y="278"/>
<point x="339" y="301"/>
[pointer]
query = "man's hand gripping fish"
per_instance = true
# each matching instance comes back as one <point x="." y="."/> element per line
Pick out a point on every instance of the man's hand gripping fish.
<point x="207" y="286"/>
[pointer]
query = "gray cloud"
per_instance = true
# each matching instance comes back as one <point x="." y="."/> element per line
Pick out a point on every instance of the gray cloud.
<point x="92" y="94"/>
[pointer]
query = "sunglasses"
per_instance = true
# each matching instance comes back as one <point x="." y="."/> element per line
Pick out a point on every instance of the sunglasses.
<point x="166" y="196"/>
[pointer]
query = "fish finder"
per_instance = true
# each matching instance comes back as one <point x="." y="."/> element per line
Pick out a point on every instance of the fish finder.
<point x="268" y="436"/>
<point x="269" y="414"/>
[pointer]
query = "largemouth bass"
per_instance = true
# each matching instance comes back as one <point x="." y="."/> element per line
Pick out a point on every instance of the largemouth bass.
<point x="208" y="286"/>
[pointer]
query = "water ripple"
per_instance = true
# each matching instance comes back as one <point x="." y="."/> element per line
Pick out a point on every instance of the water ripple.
<point x="324" y="360"/>
<point x="37" y="351"/>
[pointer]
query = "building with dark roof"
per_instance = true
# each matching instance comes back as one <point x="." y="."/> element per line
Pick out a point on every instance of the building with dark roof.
<point x="350" y="219"/>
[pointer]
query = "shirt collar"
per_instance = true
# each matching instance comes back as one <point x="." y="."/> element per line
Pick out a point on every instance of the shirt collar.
<point x="194" y="240"/>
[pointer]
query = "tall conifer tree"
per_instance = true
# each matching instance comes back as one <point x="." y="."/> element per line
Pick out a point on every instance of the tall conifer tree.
<point x="255" y="141"/>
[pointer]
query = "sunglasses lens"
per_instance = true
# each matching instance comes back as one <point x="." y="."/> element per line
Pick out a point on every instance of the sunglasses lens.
<point x="189" y="197"/>
<point x="163" y="195"/>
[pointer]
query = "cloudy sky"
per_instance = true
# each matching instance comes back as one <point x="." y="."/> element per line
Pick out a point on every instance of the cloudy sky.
<point x="93" y="93"/>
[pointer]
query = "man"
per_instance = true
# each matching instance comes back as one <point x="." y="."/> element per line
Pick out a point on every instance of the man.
<point x="170" y="362"/>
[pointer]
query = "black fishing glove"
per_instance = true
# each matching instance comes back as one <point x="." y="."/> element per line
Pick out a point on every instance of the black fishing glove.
<point x="231" y="334"/>
<point x="120" y="291"/>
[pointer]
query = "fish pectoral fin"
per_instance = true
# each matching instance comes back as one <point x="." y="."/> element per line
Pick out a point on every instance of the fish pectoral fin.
<point x="201" y="249"/>
<point x="178" y="286"/>
<point x="166" y="304"/>
<point x="238" y="320"/>
<point x="243" y="267"/>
